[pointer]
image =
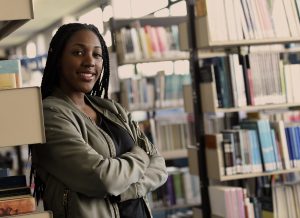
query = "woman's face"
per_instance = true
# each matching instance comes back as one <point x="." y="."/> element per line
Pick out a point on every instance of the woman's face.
<point x="81" y="63"/>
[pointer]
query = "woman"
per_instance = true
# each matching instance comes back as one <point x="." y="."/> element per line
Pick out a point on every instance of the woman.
<point x="96" y="163"/>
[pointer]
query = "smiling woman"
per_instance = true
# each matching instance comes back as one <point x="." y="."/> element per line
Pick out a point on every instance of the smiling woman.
<point x="96" y="162"/>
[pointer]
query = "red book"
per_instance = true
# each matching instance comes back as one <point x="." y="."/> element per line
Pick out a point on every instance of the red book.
<point x="18" y="205"/>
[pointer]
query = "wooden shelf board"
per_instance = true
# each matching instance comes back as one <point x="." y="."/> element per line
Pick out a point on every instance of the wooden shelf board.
<point x="174" y="207"/>
<point x="184" y="56"/>
<point x="251" y="42"/>
<point x="169" y="155"/>
<point x="153" y="21"/>
<point x="255" y="108"/>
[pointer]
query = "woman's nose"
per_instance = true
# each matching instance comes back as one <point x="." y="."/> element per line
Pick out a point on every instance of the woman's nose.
<point x="89" y="61"/>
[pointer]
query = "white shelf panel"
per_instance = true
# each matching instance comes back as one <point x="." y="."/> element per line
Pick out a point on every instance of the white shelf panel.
<point x="13" y="14"/>
<point x="169" y="155"/>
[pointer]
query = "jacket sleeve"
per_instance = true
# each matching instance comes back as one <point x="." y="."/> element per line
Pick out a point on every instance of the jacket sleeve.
<point x="76" y="164"/>
<point x="155" y="176"/>
<point x="156" y="173"/>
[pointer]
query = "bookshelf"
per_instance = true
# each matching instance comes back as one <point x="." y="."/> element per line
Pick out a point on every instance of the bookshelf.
<point x="20" y="108"/>
<point x="201" y="32"/>
<point x="136" y="35"/>
<point x="155" y="106"/>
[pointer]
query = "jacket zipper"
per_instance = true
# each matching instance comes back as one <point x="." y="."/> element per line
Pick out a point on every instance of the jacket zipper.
<point x="65" y="201"/>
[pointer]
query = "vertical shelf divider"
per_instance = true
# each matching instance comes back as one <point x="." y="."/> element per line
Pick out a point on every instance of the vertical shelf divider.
<point x="197" y="105"/>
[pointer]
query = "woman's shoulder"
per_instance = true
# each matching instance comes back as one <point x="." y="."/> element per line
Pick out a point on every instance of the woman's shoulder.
<point x="56" y="104"/>
<point x="52" y="101"/>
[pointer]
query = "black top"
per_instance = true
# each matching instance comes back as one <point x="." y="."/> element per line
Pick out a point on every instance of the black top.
<point x="134" y="208"/>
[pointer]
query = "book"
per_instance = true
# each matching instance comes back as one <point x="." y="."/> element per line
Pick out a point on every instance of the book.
<point x="255" y="151"/>
<point x="208" y="88"/>
<point x="265" y="141"/>
<point x="228" y="152"/>
<point x="222" y="80"/>
<point x="234" y="137"/>
<point x="15" y="192"/>
<point x="18" y="205"/>
<point x="12" y="181"/>
<point x="221" y="200"/>
<point x="10" y="74"/>
<point x="216" y="148"/>
<point x="282" y="140"/>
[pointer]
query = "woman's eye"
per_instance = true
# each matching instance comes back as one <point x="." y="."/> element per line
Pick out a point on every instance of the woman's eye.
<point x="79" y="53"/>
<point x="97" y="55"/>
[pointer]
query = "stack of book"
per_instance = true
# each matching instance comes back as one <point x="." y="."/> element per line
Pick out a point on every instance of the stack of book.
<point x="15" y="194"/>
<point x="16" y="198"/>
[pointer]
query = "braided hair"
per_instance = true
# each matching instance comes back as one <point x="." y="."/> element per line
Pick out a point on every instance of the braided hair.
<point x="51" y="72"/>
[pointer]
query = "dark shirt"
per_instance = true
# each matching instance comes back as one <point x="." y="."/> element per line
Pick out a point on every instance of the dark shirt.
<point x="134" y="208"/>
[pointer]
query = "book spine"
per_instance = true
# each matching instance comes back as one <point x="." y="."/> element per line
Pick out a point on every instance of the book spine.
<point x="17" y="206"/>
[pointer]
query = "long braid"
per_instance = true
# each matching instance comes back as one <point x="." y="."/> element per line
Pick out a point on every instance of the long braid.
<point x="104" y="82"/>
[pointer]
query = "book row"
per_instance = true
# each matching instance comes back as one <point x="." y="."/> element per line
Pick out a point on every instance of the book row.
<point x="230" y="202"/>
<point x="138" y="42"/>
<point x="154" y="92"/>
<point x="236" y="202"/>
<point x="181" y="188"/>
<point x="171" y="132"/>
<point x="256" y="78"/>
<point x="233" y="20"/>
<point x="256" y="146"/>
<point x="286" y="200"/>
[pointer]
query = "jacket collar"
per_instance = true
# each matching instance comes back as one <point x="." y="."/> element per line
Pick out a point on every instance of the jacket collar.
<point x="104" y="106"/>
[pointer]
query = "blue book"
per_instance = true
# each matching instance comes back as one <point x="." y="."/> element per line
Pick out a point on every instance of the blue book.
<point x="277" y="155"/>
<point x="255" y="151"/>
<point x="297" y="146"/>
<point x="270" y="140"/>
<point x="289" y="144"/>
<point x="222" y="80"/>
<point x="265" y="142"/>
<point x="294" y="145"/>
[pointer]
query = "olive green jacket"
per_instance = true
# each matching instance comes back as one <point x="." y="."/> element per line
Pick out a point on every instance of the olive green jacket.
<point x="78" y="162"/>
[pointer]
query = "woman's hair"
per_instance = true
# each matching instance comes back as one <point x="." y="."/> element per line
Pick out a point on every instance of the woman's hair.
<point x="56" y="48"/>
